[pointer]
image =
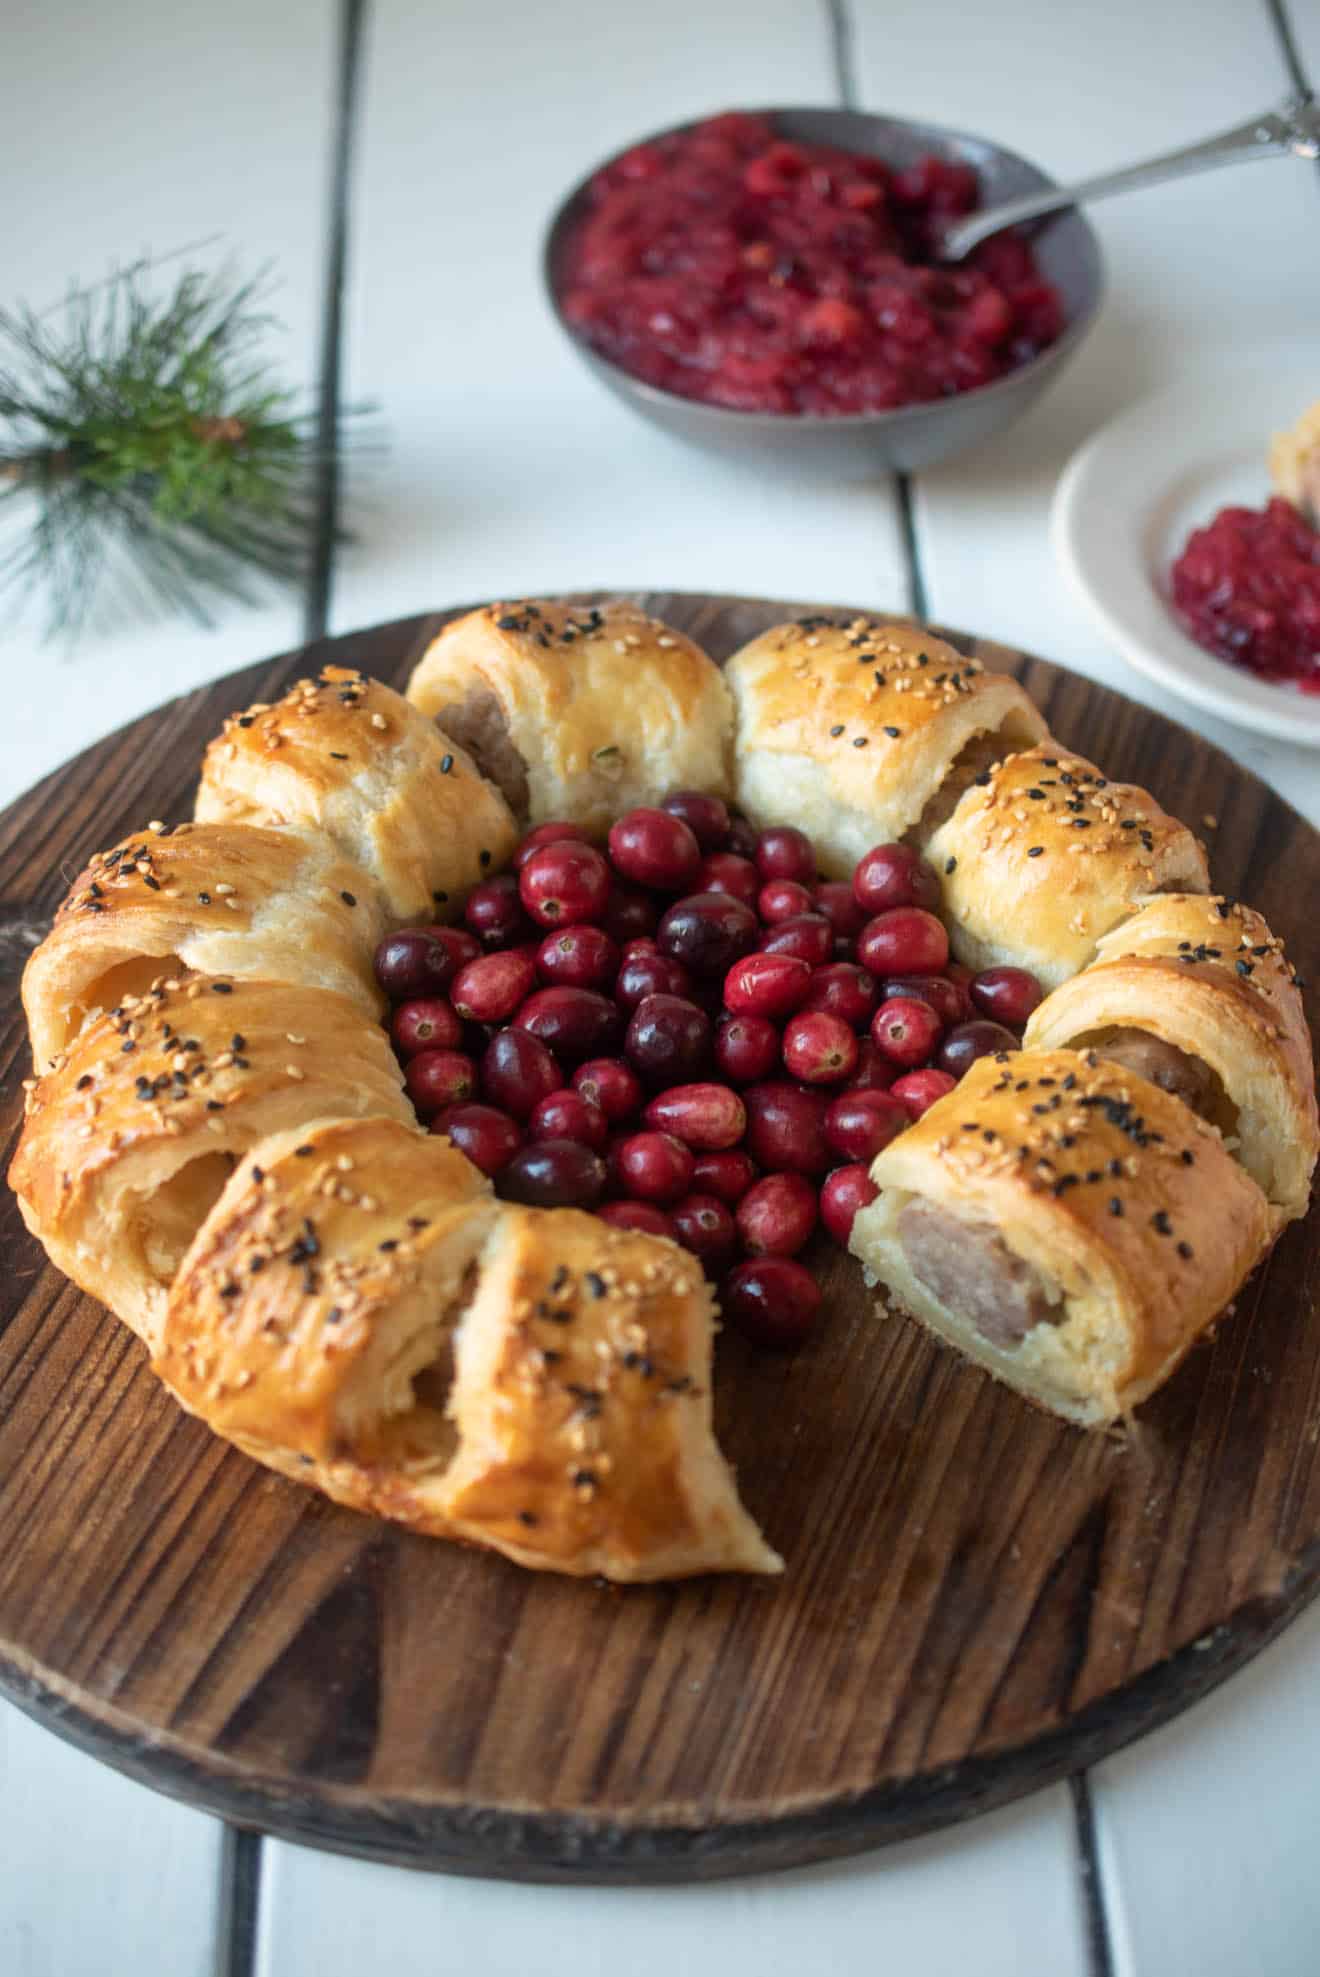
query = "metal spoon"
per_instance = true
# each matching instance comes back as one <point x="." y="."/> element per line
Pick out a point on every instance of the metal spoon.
<point x="1292" y="130"/>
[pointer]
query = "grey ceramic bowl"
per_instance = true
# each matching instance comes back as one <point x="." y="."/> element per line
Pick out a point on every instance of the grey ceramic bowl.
<point x="857" y="445"/>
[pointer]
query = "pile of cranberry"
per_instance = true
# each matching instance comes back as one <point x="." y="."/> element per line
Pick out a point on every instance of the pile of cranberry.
<point x="1247" y="587"/>
<point x="694" y="1035"/>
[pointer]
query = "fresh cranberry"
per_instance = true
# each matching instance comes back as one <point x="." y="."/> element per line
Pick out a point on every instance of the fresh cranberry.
<point x="834" y="898"/>
<point x="707" y="817"/>
<point x="725" y="871"/>
<point x="488" y="1138"/>
<point x="906" y="941"/>
<point x="573" y="1022"/>
<point x="551" y="833"/>
<point x="906" y="1030"/>
<point x="553" y="1174"/>
<point x="746" y="1049"/>
<point x="1007" y="994"/>
<point x="917" y="1091"/>
<point x="742" y="837"/>
<point x="962" y="978"/>
<point x="489" y="989"/>
<point x="844" y="990"/>
<point x="777" y="1216"/>
<point x="705" y="1117"/>
<point x="704" y="1225"/>
<point x="578" y="957"/>
<point x="422" y="960"/>
<point x="629" y="911"/>
<point x="894" y="875"/>
<point x="782" y="899"/>
<point x="820" y="1049"/>
<point x="436" y="1078"/>
<point x="426" y="1023"/>
<point x="495" y="914"/>
<point x="653" y="848"/>
<point x="565" y="883"/>
<point x="807" y="935"/>
<point x="517" y="1072"/>
<point x="566" y="1115"/>
<point x="641" y="944"/>
<point x="938" y="990"/>
<point x="979" y="1038"/>
<point x="769" y="985"/>
<point x="786" y="1128"/>
<point x="845" y="1191"/>
<point x="772" y="1301"/>
<point x="859" y="1123"/>
<point x="875" y="1071"/>
<point x="642" y="1217"/>
<point x="728" y="1175"/>
<point x="650" y="974"/>
<point x="785" y="853"/>
<point x="655" y="1166"/>
<point x="668" y="1040"/>
<point x="708" y="932"/>
<point x="608" y="1083"/>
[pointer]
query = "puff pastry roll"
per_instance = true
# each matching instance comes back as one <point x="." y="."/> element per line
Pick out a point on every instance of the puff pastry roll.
<point x="862" y="733"/>
<point x="347" y="757"/>
<point x="577" y="711"/>
<point x="1043" y="856"/>
<point x="1195" y="995"/>
<point x="213" y="899"/>
<point x="1066" y="1224"/>
<point x="131" y="1138"/>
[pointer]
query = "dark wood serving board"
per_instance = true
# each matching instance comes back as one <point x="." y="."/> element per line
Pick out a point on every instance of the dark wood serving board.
<point x="978" y="1598"/>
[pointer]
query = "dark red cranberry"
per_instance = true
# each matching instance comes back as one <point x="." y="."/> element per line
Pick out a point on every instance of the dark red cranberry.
<point x="565" y="883"/>
<point x="725" y="871"/>
<point x="771" y="985"/>
<point x="844" y="990"/>
<point x="746" y="1049"/>
<point x="489" y="989"/>
<point x="893" y="875"/>
<point x="786" y="1128"/>
<point x="979" y="1038"/>
<point x="426" y="1023"/>
<point x="422" y="960"/>
<point x="819" y="1049"/>
<point x="653" y="848"/>
<point x="488" y="1138"/>
<point x="742" y="837"/>
<point x="859" y="1123"/>
<point x="962" y="978"/>
<point x="785" y="853"/>
<point x="906" y="941"/>
<point x="650" y="974"/>
<point x="1007" y="994"/>
<point x="704" y="1225"/>
<point x="728" y="1175"/>
<point x="668" y="1040"/>
<point x="906" y="1030"/>
<point x="573" y="1022"/>
<point x="518" y="1071"/>
<point x="917" y="1091"/>
<point x="707" y="817"/>
<point x="941" y="993"/>
<point x="772" y="1301"/>
<point x="553" y="1174"/>
<point x="643" y="1217"/>
<point x="845" y="1191"/>
<point x="607" y="1082"/>
<point x="834" y="898"/>
<point x="494" y="913"/>
<point x="551" y="833"/>
<point x="708" y="932"/>
<point x="437" y="1078"/>
<point x="629" y="912"/>
<point x="782" y="899"/>
<point x="777" y="1216"/>
<point x="578" y="957"/>
<point x="705" y="1117"/>
<point x="874" y="1070"/>
<point x="566" y="1115"/>
<point x="655" y="1167"/>
<point x="807" y="935"/>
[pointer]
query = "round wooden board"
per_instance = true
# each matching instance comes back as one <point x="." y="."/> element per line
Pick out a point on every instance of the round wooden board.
<point x="978" y="1598"/>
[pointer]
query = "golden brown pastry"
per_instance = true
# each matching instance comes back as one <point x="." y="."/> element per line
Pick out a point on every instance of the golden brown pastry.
<point x="130" y="1139"/>
<point x="348" y="759"/>
<point x="1069" y="1226"/>
<point x="861" y="733"/>
<point x="577" y="711"/>
<point x="1195" y="995"/>
<point x="1044" y="855"/>
<point x="209" y="899"/>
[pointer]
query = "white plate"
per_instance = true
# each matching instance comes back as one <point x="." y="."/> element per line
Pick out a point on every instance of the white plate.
<point x="1128" y="499"/>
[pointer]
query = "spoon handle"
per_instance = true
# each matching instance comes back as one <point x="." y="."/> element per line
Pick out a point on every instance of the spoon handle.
<point x="1293" y="129"/>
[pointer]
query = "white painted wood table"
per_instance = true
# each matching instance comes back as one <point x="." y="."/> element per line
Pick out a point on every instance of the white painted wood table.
<point x="509" y="470"/>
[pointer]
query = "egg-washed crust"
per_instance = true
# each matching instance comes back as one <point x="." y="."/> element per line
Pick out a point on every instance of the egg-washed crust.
<point x="588" y="710"/>
<point x="1208" y="976"/>
<point x="217" y="899"/>
<point x="1044" y="855"/>
<point x="850" y="730"/>
<point x="348" y="757"/>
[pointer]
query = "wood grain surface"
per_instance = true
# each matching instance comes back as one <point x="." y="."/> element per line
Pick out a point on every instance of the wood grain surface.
<point x="977" y="1599"/>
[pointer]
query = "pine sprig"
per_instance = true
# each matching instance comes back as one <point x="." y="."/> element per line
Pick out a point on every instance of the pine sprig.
<point x="157" y="455"/>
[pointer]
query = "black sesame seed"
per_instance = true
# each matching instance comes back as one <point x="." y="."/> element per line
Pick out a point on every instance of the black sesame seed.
<point x="893" y="733"/>
<point x="84" y="1081"/>
<point x="1185" y="1250"/>
<point x="246" y="720"/>
<point x="222" y="988"/>
<point x="1160" y="1222"/>
<point x="302" y="1152"/>
<point x="390" y="1244"/>
<point x="483" y="859"/>
<point x="1035" y="851"/>
<point x="446" y="765"/>
<point x="336" y="756"/>
<point x="527" y="1517"/>
<point x="950" y="865"/>
<point x="349" y="898"/>
<point x="860" y="742"/>
<point x="1115" y="1205"/>
<point x="595" y="1283"/>
<point x="205" y="898"/>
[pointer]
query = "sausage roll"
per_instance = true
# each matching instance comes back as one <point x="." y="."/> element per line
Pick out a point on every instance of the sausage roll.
<point x="131" y="1137"/>
<point x="862" y="733"/>
<point x="1195" y="995"/>
<point x="208" y="899"/>
<point x="578" y="712"/>
<point x="1066" y="1224"/>
<point x="348" y="758"/>
<point x="1043" y="855"/>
